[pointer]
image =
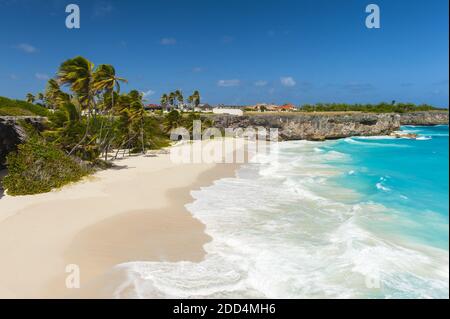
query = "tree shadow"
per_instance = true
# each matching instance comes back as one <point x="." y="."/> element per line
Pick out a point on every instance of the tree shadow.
<point x="119" y="167"/>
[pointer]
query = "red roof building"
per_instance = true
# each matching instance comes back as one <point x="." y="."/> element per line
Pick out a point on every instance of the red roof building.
<point x="286" y="107"/>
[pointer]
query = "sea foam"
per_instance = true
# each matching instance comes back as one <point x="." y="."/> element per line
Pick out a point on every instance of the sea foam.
<point x="283" y="229"/>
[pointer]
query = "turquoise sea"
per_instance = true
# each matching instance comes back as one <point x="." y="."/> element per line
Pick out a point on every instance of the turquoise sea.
<point x="352" y="218"/>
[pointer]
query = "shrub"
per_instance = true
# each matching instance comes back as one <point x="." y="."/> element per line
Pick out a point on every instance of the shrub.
<point x="155" y="137"/>
<point x="18" y="108"/>
<point x="39" y="167"/>
<point x="369" y="108"/>
<point x="14" y="111"/>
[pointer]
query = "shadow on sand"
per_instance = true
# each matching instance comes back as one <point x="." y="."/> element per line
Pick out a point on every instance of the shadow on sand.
<point x="119" y="167"/>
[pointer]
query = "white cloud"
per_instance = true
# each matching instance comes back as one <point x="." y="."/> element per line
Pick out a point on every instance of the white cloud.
<point x="288" y="81"/>
<point x="197" y="69"/>
<point x="41" y="76"/>
<point x="168" y="41"/>
<point x="148" y="93"/>
<point x="229" y="83"/>
<point x="13" y="77"/>
<point x="261" y="83"/>
<point x="25" y="47"/>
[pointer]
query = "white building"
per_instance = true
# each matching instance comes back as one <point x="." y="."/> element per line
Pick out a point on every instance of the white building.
<point x="230" y="111"/>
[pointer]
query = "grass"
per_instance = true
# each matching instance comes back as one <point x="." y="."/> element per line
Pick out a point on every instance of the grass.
<point x="10" y="107"/>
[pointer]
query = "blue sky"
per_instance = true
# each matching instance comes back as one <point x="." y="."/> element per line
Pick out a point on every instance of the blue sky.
<point x="237" y="51"/>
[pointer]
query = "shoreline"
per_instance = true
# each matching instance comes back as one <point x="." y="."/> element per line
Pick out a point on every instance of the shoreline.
<point x="161" y="231"/>
<point x="133" y="212"/>
<point x="303" y="233"/>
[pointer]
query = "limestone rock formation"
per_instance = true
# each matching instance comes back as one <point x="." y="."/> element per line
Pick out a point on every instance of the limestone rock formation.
<point x="12" y="134"/>
<point x="322" y="126"/>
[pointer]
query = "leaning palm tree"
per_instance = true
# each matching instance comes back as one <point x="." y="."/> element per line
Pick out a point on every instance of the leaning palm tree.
<point x="106" y="81"/>
<point x="77" y="73"/>
<point x="130" y="108"/>
<point x="138" y="112"/>
<point x="54" y="96"/>
<point x="30" y="98"/>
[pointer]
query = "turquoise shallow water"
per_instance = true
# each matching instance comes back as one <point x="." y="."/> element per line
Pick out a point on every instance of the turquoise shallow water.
<point x="410" y="177"/>
<point x="352" y="218"/>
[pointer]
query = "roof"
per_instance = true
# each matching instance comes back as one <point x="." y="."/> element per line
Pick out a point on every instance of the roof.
<point x="286" y="107"/>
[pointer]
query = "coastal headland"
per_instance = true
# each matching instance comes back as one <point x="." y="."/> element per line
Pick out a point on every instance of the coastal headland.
<point x="330" y="125"/>
<point x="291" y="126"/>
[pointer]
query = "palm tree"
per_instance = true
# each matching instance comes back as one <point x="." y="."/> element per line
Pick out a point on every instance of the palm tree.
<point x="190" y="100"/>
<point x="106" y="81"/>
<point x="130" y="108"/>
<point x="172" y="120"/>
<point x="40" y="97"/>
<point x="138" y="112"/>
<point x="179" y="97"/>
<point x="77" y="73"/>
<point x="125" y="121"/>
<point x="172" y="97"/>
<point x="196" y="98"/>
<point x="30" y="98"/>
<point x="164" y="100"/>
<point x="53" y="94"/>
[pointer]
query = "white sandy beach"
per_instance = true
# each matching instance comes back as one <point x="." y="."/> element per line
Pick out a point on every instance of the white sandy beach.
<point x="133" y="212"/>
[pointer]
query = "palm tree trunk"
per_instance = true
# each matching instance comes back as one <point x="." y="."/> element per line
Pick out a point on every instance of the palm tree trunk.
<point x="112" y="105"/>
<point x="142" y="136"/>
<point x="86" y="133"/>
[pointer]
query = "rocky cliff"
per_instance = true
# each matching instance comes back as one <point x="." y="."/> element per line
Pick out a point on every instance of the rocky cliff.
<point x="425" y="118"/>
<point x="322" y="126"/>
<point x="12" y="133"/>
<point x="316" y="127"/>
<point x="291" y="126"/>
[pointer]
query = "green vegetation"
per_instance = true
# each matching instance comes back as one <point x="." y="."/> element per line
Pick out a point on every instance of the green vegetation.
<point x="175" y="119"/>
<point x="90" y="123"/>
<point x="9" y="107"/>
<point x="175" y="100"/>
<point x="369" y="108"/>
<point x="38" y="167"/>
